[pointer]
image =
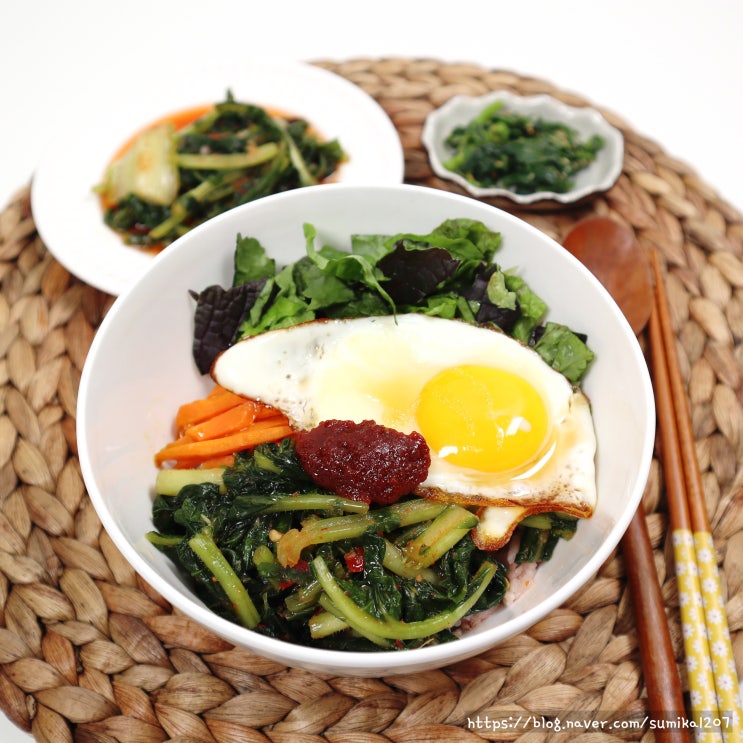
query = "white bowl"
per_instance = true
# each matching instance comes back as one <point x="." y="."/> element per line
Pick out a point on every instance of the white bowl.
<point x="460" y="110"/>
<point x="68" y="214"/>
<point x="140" y="369"/>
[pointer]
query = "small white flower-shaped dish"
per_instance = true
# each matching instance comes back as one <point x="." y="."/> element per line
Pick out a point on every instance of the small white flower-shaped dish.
<point x="460" y="110"/>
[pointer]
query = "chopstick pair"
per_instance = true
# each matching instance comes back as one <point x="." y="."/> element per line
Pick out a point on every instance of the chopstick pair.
<point x="713" y="683"/>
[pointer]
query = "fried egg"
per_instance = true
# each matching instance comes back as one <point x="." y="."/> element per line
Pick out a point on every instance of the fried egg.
<point x="505" y="430"/>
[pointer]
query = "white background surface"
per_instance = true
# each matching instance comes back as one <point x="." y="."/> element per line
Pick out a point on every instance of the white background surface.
<point x="673" y="70"/>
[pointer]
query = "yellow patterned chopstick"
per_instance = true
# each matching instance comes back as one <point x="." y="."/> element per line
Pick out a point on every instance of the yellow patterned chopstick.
<point x="713" y="682"/>
<point x="703" y="701"/>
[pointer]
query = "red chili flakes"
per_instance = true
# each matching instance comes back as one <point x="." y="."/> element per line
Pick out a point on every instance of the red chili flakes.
<point x="363" y="461"/>
<point x="354" y="560"/>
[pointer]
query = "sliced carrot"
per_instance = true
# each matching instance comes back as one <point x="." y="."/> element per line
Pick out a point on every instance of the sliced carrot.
<point x="260" y="432"/>
<point x="226" y="461"/>
<point x="230" y="421"/>
<point x="263" y="411"/>
<point x="191" y="413"/>
<point x="192" y="464"/>
<point x="211" y="429"/>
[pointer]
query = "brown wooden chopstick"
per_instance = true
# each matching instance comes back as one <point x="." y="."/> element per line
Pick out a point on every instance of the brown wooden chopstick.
<point x="697" y="509"/>
<point x="662" y="682"/>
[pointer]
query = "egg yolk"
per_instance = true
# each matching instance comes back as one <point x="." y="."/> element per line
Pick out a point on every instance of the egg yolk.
<point x="483" y="418"/>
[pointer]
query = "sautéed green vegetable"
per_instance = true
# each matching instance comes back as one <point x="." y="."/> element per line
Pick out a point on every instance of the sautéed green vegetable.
<point x="501" y="149"/>
<point x="168" y="181"/>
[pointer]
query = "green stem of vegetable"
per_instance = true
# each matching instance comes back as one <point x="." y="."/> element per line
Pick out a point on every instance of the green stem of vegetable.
<point x="201" y="191"/>
<point x="202" y="124"/>
<point x="180" y="210"/>
<point x="305" y="177"/>
<point x="537" y="521"/>
<point x="265" y="565"/>
<point x="269" y="179"/>
<point x="289" y="547"/>
<point x="317" y="502"/>
<point x="167" y="226"/>
<point x="304" y="599"/>
<point x="227" y="161"/>
<point x="208" y="552"/>
<point x="451" y="525"/>
<point x="220" y="191"/>
<point x="466" y="310"/>
<point x="394" y="629"/>
<point x="394" y="560"/>
<point x="325" y="624"/>
<point x="163" y="540"/>
<point x="332" y="610"/>
<point x="170" y="482"/>
<point x="544" y="520"/>
<point x="406" y="513"/>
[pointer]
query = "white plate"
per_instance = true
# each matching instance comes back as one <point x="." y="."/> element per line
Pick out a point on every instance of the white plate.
<point x="460" y="110"/>
<point x="68" y="214"/>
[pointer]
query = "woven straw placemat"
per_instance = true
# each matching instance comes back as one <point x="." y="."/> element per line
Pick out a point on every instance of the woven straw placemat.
<point x="88" y="652"/>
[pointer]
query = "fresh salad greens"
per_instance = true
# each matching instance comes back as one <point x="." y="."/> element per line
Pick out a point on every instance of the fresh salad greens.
<point x="265" y="546"/>
<point x="447" y="273"/>
<point x="168" y="181"/>
<point x="523" y="154"/>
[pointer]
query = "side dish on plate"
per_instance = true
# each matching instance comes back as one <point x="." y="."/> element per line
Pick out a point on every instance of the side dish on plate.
<point x="531" y="150"/>
<point x="193" y="165"/>
<point x="525" y="154"/>
<point x="396" y="438"/>
<point x="67" y="210"/>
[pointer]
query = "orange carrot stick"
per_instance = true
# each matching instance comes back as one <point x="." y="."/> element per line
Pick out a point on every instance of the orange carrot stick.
<point x="264" y="411"/>
<point x="192" y="464"/>
<point x="226" y="461"/>
<point x="230" y="421"/>
<point x="191" y="413"/>
<point x="259" y="433"/>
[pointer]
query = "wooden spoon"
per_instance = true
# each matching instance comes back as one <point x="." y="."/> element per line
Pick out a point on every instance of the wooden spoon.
<point x="611" y="252"/>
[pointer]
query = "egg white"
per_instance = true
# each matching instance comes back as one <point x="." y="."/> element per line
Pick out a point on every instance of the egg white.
<point x="374" y="368"/>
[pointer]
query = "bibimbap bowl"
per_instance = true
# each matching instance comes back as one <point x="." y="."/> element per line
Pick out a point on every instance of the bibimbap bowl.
<point x="140" y="369"/>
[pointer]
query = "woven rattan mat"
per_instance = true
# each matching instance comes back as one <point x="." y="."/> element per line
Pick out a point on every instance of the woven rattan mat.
<point x="90" y="653"/>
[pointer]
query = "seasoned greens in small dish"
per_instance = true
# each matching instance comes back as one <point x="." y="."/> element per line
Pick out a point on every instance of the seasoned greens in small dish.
<point x="529" y="150"/>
